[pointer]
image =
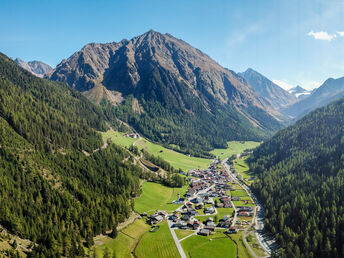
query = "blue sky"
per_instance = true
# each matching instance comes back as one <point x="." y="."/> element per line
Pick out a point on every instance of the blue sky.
<point x="291" y="42"/>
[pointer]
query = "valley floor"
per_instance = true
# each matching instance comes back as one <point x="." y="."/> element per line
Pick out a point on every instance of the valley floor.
<point x="139" y="240"/>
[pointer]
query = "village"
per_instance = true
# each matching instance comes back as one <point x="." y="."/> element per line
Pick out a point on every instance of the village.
<point x="201" y="207"/>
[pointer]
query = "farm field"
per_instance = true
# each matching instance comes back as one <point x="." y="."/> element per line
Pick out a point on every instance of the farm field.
<point x="234" y="147"/>
<point x="176" y="159"/>
<point x="125" y="241"/>
<point x="157" y="244"/>
<point x="157" y="197"/>
<point x="217" y="245"/>
<point x="181" y="233"/>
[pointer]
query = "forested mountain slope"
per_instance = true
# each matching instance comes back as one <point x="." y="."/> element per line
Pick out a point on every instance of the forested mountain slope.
<point x="170" y="92"/>
<point x="301" y="184"/>
<point x="50" y="191"/>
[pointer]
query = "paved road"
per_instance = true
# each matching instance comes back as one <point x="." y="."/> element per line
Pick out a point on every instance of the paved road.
<point x="176" y="240"/>
<point x="256" y="221"/>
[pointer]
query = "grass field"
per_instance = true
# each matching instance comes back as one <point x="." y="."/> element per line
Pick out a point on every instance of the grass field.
<point x="183" y="233"/>
<point x="239" y="193"/>
<point x="242" y="250"/>
<point x="124" y="243"/>
<point x="242" y="169"/>
<point x="241" y="203"/>
<point x="217" y="245"/>
<point x="176" y="159"/>
<point x="118" y="138"/>
<point x="157" y="244"/>
<point x="157" y="197"/>
<point x="234" y="147"/>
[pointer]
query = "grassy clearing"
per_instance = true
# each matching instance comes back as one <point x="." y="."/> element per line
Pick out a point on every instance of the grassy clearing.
<point x="157" y="244"/>
<point x="242" y="250"/>
<point x="125" y="242"/>
<point x="157" y="197"/>
<point x="217" y="245"/>
<point x="242" y="169"/>
<point x="176" y="159"/>
<point x="234" y="147"/>
<point x="183" y="233"/>
<point x="238" y="193"/>
<point x="242" y="203"/>
<point x="118" y="138"/>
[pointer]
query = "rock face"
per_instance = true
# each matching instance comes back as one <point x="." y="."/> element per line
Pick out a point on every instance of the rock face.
<point x="36" y="67"/>
<point x="159" y="68"/>
<point x="299" y="92"/>
<point x="330" y="90"/>
<point x="274" y="94"/>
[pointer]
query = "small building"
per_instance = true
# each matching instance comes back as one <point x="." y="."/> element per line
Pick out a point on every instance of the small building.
<point x="204" y="232"/>
<point x="232" y="230"/>
<point x="210" y="227"/>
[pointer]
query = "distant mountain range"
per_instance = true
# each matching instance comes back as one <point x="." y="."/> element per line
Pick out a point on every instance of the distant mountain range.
<point x="299" y="92"/>
<point x="172" y="92"/>
<point x="330" y="90"/>
<point x="274" y="94"/>
<point x="36" y="67"/>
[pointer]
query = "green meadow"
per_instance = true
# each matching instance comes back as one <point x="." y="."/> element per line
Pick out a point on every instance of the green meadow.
<point x="157" y="244"/>
<point x="125" y="241"/>
<point x="176" y="159"/>
<point x="217" y="245"/>
<point x="157" y="197"/>
<point x="181" y="233"/>
<point x="234" y="147"/>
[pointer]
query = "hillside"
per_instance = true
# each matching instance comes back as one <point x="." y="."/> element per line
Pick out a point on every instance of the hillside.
<point x="170" y="92"/>
<point x="51" y="191"/>
<point x="38" y="68"/>
<point x="330" y="90"/>
<point x="274" y="94"/>
<point x="301" y="184"/>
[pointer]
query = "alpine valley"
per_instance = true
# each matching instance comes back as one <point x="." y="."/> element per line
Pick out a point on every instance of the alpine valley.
<point x="149" y="148"/>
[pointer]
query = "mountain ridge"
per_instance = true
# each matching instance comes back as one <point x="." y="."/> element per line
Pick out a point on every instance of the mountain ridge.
<point x="329" y="91"/>
<point x="182" y="80"/>
<point x="37" y="68"/>
<point x="274" y="94"/>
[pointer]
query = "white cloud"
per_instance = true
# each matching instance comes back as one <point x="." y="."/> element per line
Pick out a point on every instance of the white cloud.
<point x="340" y="33"/>
<point x="283" y="84"/>
<point x="322" y="35"/>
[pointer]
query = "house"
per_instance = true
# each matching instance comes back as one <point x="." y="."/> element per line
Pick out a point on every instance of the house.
<point x="210" y="227"/>
<point x="236" y="198"/>
<point x="204" y="232"/>
<point x="197" y="200"/>
<point x="199" y="206"/>
<point x="243" y="213"/>
<point x="219" y="205"/>
<point x="224" y="224"/>
<point x="209" y="210"/>
<point x="156" y="218"/>
<point x="232" y="230"/>
<point x="186" y="217"/>
<point x="180" y="224"/>
<point x="226" y="217"/>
